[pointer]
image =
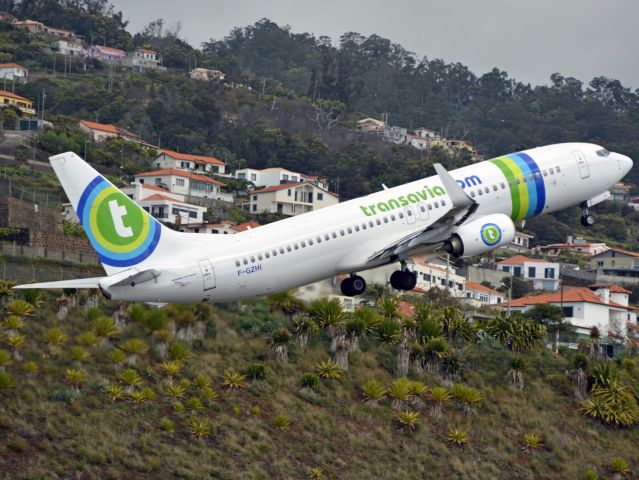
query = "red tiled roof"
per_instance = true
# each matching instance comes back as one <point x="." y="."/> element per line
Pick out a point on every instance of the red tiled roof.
<point x="100" y="126"/>
<point x="618" y="250"/>
<point x="158" y="196"/>
<point x="194" y="158"/>
<point x="614" y="288"/>
<point x="178" y="173"/>
<point x="4" y="93"/>
<point x="520" y="259"/>
<point x="573" y="295"/>
<point x="146" y="186"/>
<point x="147" y="50"/>
<point x="109" y="49"/>
<point x="274" y="188"/>
<point x="478" y="286"/>
<point x="245" y="226"/>
<point x="406" y="308"/>
<point x="11" y="65"/>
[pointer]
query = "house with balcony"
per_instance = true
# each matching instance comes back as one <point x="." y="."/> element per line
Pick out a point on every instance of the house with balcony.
<point x="99" y="132"/>
<point x="184" y="183"/>
<point x="22" y="105"/>
<point x="164" y="205"/>
<point x="106" y="54"/>
<point x="542" y="274"/>
<point x="620" y="192"/>
<point x="603" y="306"/>
<point x="291" y="199"/>
<point x="141" y="59"/>
<point x="479" y="295"/>
<point x="13" y="71"/>
<point x="69" y="47"/>
<point x="186" y="161"/>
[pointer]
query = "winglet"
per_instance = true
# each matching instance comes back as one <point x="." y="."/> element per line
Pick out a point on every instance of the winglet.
<point x="455" y="192"/>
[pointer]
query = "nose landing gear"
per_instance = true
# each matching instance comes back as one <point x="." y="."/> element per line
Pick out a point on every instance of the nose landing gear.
<point x="587" y="220"/>
<point x="403" y="279"/>
<point x="353" y="285"/>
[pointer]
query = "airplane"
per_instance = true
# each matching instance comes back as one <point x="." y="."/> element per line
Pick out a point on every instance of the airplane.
<point x="464" y="212"/>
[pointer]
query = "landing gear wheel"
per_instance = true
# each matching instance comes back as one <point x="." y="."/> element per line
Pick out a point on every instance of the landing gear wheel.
<point x="587" y="220"/>
<point x="353" y="285"/>
<point x="403" y="280"/>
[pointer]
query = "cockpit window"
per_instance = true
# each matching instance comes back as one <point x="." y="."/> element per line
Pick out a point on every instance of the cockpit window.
<point x="603" y="152"/>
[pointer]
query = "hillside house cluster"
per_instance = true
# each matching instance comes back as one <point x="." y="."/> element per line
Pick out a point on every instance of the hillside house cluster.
<point x="421" y="138"/>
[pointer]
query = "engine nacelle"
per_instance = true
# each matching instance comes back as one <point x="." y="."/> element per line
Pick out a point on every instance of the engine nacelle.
<point x="481" y="235"/>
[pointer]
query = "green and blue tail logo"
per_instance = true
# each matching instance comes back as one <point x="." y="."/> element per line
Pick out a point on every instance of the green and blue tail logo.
<point x="121" y="232"/>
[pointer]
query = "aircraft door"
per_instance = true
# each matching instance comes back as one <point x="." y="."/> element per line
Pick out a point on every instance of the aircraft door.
<point x="582" y="163"/>
<point x="208" y="274"/>
<point x="409" y="215"/>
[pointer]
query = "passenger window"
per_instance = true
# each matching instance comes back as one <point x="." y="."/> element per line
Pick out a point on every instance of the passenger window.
<point x="326" y="237"/>
<point x="436" y="204"/>
<point x="487" y="190"/>
<point x="378" y="221"/>
<point x="296" y="246"/>
<point x="551" y="171"/>
<point x="370" y="224"/>
<point x="545" y="173"/>
<point x="393" y="217"/>
<point x="259" y="256"/>
<point x="357" y="228"/>
<point x="479" y="192"/>
<point x="349" y="230"/>
<point x="237" y="263"/>
<point x="310" y="242"/>
<point x="282" y="250"/>
<point x="401" y="214"/>
<point x="252" y="259"/>
<point x="537" y="175"/>
<point x="288" y="248"/>
<point x="341" y="232"/>
<point x="274" y="252"/>
<point x="267" y="255"/>
<point x="245" y="261"/>
<point x="443" y="203"/>
<point x="334" y="234"/>
<point x="363" y="226"/>
<point x="319" y="239"/>
<point x="422" y="208"/>
<point x="558" y="169"/>
<point x="385" y="219"/>
<point x="472" y="194"/>
<point x="430" y="206"/>
<point x="518" y="181"/>
<point x="303" y="244"/>
<point x="494" y="188"/>
<point x="503" y="186"/>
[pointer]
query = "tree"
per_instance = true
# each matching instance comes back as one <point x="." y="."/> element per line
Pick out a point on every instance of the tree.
<point x="552" y="317"/>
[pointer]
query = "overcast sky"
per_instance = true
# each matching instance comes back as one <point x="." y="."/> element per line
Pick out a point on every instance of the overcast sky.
<point x="528" y="39"/>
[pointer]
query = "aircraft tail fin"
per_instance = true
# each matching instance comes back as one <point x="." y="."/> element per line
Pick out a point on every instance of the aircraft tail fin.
<point x="122" y="233"/>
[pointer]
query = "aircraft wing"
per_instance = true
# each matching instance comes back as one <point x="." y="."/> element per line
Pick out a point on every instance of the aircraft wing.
<point x="439" y="230"/>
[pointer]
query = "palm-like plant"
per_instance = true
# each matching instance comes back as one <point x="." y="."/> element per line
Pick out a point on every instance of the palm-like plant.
<point x="156" y="319"/>
<point x="200" y="429"/>
<point x="420" y="391"/>
<point x="328" y="314"/>
<point x="16" y="344"/>
<point x="176" y="392"/>
<point x="531" y="442"/>
<point x="170" y="369"/>
<point x="117" y="357"/>
<point x="282" y="422"/>
<point x="13" y="324"/>
<point x="6" y="381"/>
<point x="33" y="297"/>
<point x="134" y="347"/>
<point x="234" y="380"/>
<point x="5" y="359"/>
<point x="78" y="354"/>
<point x="468" y="397"/>
<point x="458" y="437"/>
<point x="328" y="369"/>
<point x="613" y="404"/>
<point x="279" y="344"/>
<point x="303" y="327"/>
<point x="389" y="331"/>
<point x="139" y="397"/>
<point x="400" y="391"/>
<point x="580" y="377"/>
<point x="451" y="320"/>
<point x="373" y="392"/>
<point x="195" y="404"/>
<point x="167" y="425"/>
<point x="316" y="473"/>
<point x="55" y="337"/>
<point x="7" y="291"/>
<point x="75" y="377"/>
<point x="130" y="379"/>
<point x="620" y="467"/>
<point x="104" y="327"/>
<point x="309" y="381"/>
<point x="440" y="397"/>
<point x="114" y="392"/>
<point x="135" y="313"/>
<point x="30" y="368"/>
<point x="368" y="316"/>
<point x="256" y="372"/>
<point x="88" y="339"/>
<point x="434" y="351"/>
<point x="179" y="350"/>
<point x="389" y="307"/>
<point x="516" y="372"/>
<point x="407" y="419"/>
<point x="20" y="308"/>
<point x="355" y="329"/>
<point x="286" y="302"/>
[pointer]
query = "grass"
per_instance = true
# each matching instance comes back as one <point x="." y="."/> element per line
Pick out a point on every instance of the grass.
<point x="199" y="427"/>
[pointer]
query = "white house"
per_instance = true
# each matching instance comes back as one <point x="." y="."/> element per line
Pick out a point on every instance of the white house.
<point x="369" y="125"/>
<point x="206" y="75"/>
<point x="431" y="275"/>
<point x="478" y="295"/>
<point x="603" y="306"/>
<point x="271" y="177"/>
<point x="13" y="71"/>
<point x="291" y="199"/>
<point x="426" y="133"/>
<point x="573" y="245"/>
<point x="543" y="274"/>
<point x="418" y="142"/>
<point x="183" y="182"/>
<point x="69" y="47"/>
<point x="141" y="59"/>
<point x="186" y="161"/>
<point x="106" y="54"/>
<point x="165" y="205"/>
<point x="100" y="132"/>
<point x="225" y="227"/>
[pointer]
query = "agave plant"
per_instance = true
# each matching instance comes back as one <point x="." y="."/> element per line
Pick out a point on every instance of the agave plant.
<point x="531" y="442"/>
<point x="201" y="381"/>
<point x="55" y="337"/>
<point x="195" y="403"/>
<point x="130" y="379"/>
<point x="179" y="350"/>
<point x="75" y="377"/>
<point x="104" y="327"/>
<point x="612" y="404"/>
<point x="400" y="391"/>
<point x="316" y="473"/>
<point x="435" y="350"/>
<point x="286" y="302"/>
<point x="139" y="397"/>
<point x="282" y="422"/>
<point x="328" y="369"/>
<point x="176" y="392"/>
<point x="156" y="319"/>
<point x="389" y="307"/>
<point x="468" y="397"/>
<point x="516" y="373"/>
<point x="373" y="392"/>
<point x="31" y="369"/>
<point x="134" y="347"/>
<point x="200" y="429"/>
<point x="279" y="344"/>
<point x="440" y="397"/>
<point x="407" y="419"/>
<point x="20" y="308"/>
<point x="117" y="357"/>
<point x="114" y="392"/>
<point x="207" y="393"/>
<point x="388" y="330"/>
<point x="78" y="354"/>
<point x="234" y="380"/>
<point x="167" y="425"/>
<point x="7" y="291"/>
<point x="33" y="297"/>
<point x="256" y="372"/>
<point x="458" y="437"/>
<point x="309" y="381"/>
<point x="419" y="391"/>
<point x="328" y="314"/>
<point x="170" y="369"/>
<point x="13" y="324"/>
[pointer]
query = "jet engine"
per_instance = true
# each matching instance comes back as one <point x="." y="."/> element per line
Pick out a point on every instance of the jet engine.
<point x="480" y="235"/>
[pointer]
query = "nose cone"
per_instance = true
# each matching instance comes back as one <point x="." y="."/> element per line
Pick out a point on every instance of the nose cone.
<point x="625" y="163"/>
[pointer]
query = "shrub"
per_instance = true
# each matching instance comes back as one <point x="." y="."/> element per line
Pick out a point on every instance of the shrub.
<point x="104" y="327"/>
<point x="117" y="356"/>
<point x="179" y="350"/>
<point x="400" y="391"/>
<point x="612" y="404"/>
<point x="55" y="336"/>
<point x="138" y="397"/>
<point x="30" y="368"/>
<point x="619" y="466"/>
<point x="373" y="391"/>
<point x="531" y="442"/>
<point x="171" y="368"/>
<point x="167" y="425"/>
<point x="5" y="359"/>
<point x="78" y="354"/>
<point x="65" y="395"/>
<point x="328" y="369"/>
<point x="6" y="381"/>
<point x="20" y="308"/>
<point x="458" y="437"/>
<point x="407" y="419"/>
<point x="208" y="393"/>
<point x="130" y="378"/>
<point x="234" y="380"/>
<point x="88" y="339"/>
<point x="282" y="422"/>
<point x="135" y="346"/>
<point x="468" y="397"/>
<point x="75" y="377"/>
<point x="255" y="410"/>
<point x="114" y="392"/>
<point x="388" y="330"/>
<point x="440" y="397"/>
<point x="195" y="404"/>
<point x="200" y="429"/>
<point x="256" y="371"/>
<point x="176" y="392"/>
<point x="201" y="381"/>
<point x="309" y="380"/>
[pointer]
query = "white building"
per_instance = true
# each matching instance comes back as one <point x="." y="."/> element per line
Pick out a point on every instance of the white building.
<point x="291" y="199"/>
<point x="479" y="295"/>
<point x="69" y="47"/>
<point x="369" y="125"/>
<point x="543" y="274"/>
<point x="183" y="183"/>
<point x="100" y="132"/>
<point x="426" y="133"/>
<point x="271" y="177"/>
<point x="225" y="227"/>
<point x="164" y="205"/>
<point x="186" y="161"/>
<point x="573" y="245"/>
<point x="141" y="59"/>
<point x="431" y="275"/>
<point x="603" y="306"/>
<point x="206" y="75"/>
<point x="13" y="71"/>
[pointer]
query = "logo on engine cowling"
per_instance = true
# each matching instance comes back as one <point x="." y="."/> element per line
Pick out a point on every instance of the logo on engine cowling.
<point x="490" y="234"/>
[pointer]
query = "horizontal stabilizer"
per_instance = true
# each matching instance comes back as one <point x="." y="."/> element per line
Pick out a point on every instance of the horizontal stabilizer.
<point x="93" y="282"/>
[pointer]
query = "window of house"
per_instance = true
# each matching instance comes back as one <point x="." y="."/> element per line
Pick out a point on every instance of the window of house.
<point x="179" y="182"/>
<point x="532" y="272"/>
<point x="253" y="177"/>
<point x="255" y="198"/>
<point x="320" y="196"/>
<point x="600" y="263"/>
<point x="289" y="193"/>
<point x="569" y="311"/>
<point x="158" y="181"/>
<point x="517" y="271"/>
<point x="254" y="207"/>
<point x="549" y="273"/>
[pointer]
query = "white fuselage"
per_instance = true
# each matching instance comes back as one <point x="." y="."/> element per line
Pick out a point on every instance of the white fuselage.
<point x="342" y="238"/>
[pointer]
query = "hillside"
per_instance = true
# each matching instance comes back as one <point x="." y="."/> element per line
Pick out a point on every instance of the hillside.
<point x="226" y="403"/>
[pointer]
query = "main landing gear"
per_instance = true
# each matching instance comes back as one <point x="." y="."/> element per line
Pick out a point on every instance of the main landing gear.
<point x="353" y="285"/>
<point x="587" y="220"/>
<point x="403" y="279"/>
